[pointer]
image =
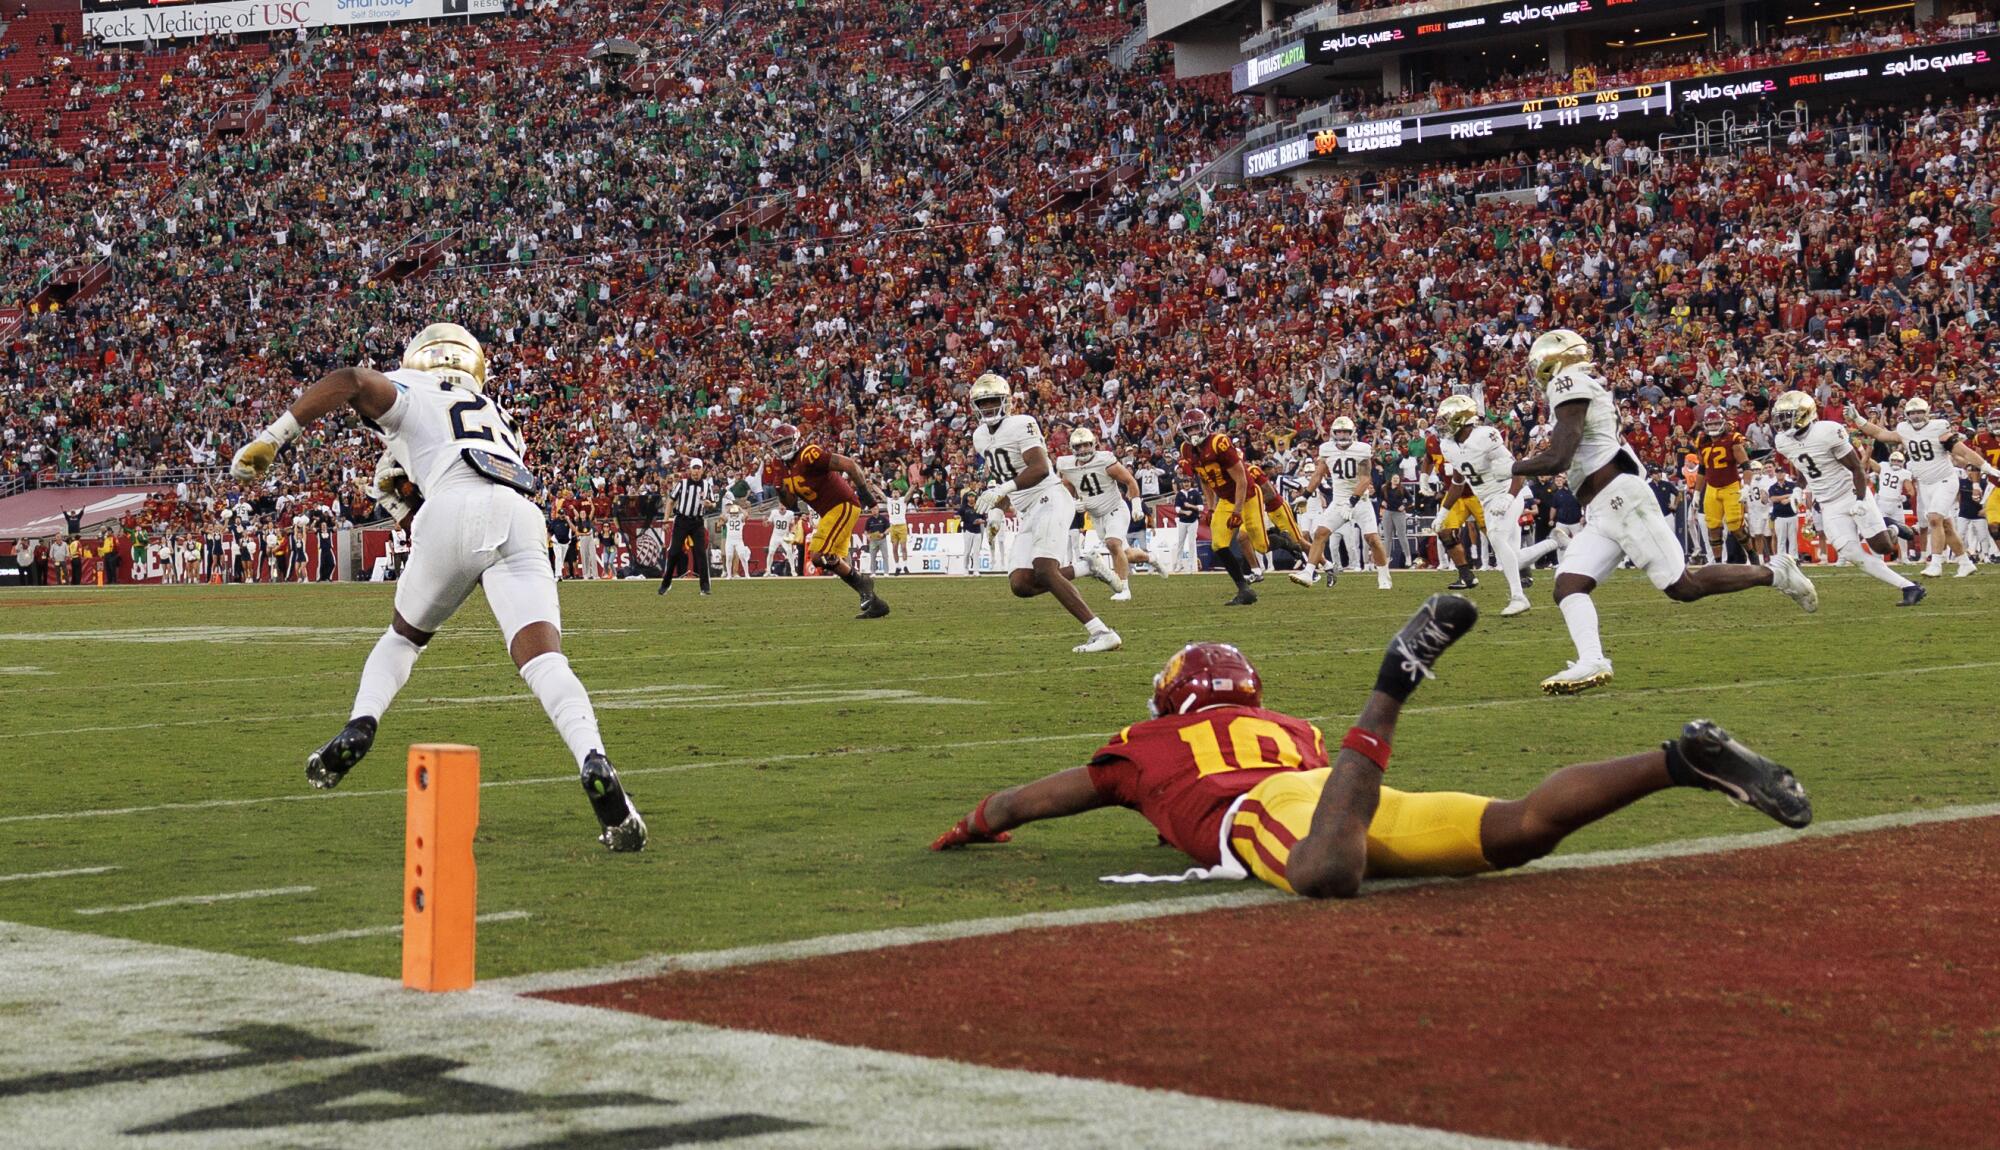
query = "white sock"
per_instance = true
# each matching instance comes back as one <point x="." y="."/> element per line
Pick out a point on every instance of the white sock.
<point x="1581" y="615"/>
<point x="1533" y="553"/>
<point x="567" y="703"/>
<point x="387" y="669"/>
<point x="1096" y="626"/>
<point x="1872" y="563"/>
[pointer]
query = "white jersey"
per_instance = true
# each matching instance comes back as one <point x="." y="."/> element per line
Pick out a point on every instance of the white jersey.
<point x="431" y="424"/>
<point x="732" y="521"/>
<point x="1005" y="449"/>
<point x="1928" y="450"/>
<point x="781" y="521"/>
<point x="1345" y="468"/>
<point x="1889" y="487"/>
<point x="1817" y="452"/>
<point x="899" y="511"/>
<point x="1095" y="488"/>
<point x="1482" y="461"/>
<point x="1601" y="441"/>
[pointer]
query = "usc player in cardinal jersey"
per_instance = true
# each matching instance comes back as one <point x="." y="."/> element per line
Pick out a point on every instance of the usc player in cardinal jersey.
<point x="1247" y="791"/>
<point x="1987" y="441"/>
<point x="1230" y="500"/>
<point x="833" y="486"/>
<point x="1721" y="453"/>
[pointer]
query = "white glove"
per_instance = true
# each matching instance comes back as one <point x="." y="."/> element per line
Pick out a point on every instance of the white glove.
<point x="387" y="471"/>
<point x="990" y="498"/>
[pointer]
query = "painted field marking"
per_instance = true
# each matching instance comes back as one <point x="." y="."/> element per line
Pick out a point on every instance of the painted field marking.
<point x="396" y="928"/>
<point x="198" y="899"/>
<point x="57" y="873"/>
<point x="1097" y="734"/>
<point x="25" y="671"/>
<point x="1257" y="895"/>
<point x="219" y="633"/>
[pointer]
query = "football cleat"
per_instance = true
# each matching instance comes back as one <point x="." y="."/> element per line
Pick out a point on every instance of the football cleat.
<point x="1786" y="577"/>
<point x="1106" y="640"/>
<point x="1516" y="607"/>
<point x="1332" y="577"/>
<point x="330" y="764"/>
<point x="1124" y="596"/>
<point x="1244" y="598"/>
<point x="1254" y="577"/>
<point x="1965" y="567"/>
<point x="1722" y="764"/>
<point x="1440" y="622"/>
<point x="1301" y="578"/>
<point x="873" y="607"/>
<point x="1934" y="569"/>
<point x="1913" y="595"/>
<point x="624" y="830"/>
<point x="1577" y="678"/>
<point x="1527" y="580"/>
<point x="1381" y="579"/>
<point x="1463" y="583"/>
<point x="1562" y="535"/>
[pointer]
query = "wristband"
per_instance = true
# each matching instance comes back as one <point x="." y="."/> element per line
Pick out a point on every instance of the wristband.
<point x="1009" y="487"/>
<point x="284" y="429"/>
<point x="1368" y="745"/>
<point x="978" y="820"/>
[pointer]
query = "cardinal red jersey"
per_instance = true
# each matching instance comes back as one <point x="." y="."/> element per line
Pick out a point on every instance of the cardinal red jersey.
<point x="1260" y="481"/>
<point x="1717" y="454"/>
<point x="1987" y="445"/>
<point x="811" y="477"/>
<point x="1183" y="771"/>
<point x="1211" y="462"/>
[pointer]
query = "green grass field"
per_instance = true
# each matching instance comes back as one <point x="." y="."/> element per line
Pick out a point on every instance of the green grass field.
<point x="794" y="762"/>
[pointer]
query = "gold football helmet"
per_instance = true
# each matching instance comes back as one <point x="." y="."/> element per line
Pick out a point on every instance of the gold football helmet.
<point x="1082" y="443"/>
<point x="1795" y="410"/>
<point x="1554" y="350"/>
<point x="1918" y="412"/>
<point x="449" y="351"/>
<point x="1456" y="412"/>
<point x="990" y="398"/>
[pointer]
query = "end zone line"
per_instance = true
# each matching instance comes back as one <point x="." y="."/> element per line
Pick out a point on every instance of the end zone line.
<point x="1258" y="895"/>
<point x="374" y="931"/>
<point x="197" y="899"/>
<point x="57" y="873"/>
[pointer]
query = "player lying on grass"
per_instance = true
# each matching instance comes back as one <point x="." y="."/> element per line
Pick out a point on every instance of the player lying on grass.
<point x="1245" y="791"/>
<point x="477" y="527"/>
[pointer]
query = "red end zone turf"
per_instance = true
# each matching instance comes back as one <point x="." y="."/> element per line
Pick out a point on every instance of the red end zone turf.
<point x="1840" y="992"/>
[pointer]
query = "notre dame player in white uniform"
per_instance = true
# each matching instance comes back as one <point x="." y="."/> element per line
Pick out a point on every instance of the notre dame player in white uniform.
<point x="1107" y="489"/>
<point x="1023" y="477"/>
<point x="1622" y="517"/>
<point x="1345" y="474"/>
<point x="735" y="549"/>
<point x="1935" y="450"/>
<point x="1478" y="455"/>
<point x="1820" y="450"/>
<point x="476" y="526"/>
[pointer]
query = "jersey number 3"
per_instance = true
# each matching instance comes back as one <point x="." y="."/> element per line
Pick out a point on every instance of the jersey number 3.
<point x="1248" y="735"/>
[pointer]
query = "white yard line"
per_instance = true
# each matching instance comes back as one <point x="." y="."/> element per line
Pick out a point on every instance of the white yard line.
<point x="1093" y="734"/>
<point x="57" y="873"/>
<point x="397" y="928"/>
<point x="1253" y="895"/>
<point x="198" y="900"/>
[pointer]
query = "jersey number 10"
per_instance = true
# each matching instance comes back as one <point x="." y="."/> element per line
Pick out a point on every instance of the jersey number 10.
<point x="1248" y="735"/>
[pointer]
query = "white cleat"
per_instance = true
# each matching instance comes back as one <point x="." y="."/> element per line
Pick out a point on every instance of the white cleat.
<point x="1577" y="678"/>
<point x="1786" y="577"/>
<point x="1965" y="567"/>
<point x="1302" y="578"/>
<point x="1382" y="579"/>
<point x="1124" y="596"/>
<point x="1102" y="641"/>
<point x="1935" y="569"/>
<point x="1519" y="606"/>
<point x="1562" y="537"/>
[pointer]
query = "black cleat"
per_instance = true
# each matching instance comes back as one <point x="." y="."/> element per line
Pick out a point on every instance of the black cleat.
<point x="1913" y="595"/>
<point x="1244" y="597"/>
<point x="624" y="830"/>
<point x="1440" y="622"/>
<point x="873" y="607"/>
<point x="1462" y="583"/>
<point x="1720" y="763"/>
<point x="665" y="587"/>
<point x="330" y="764"/>
<point x="1527" y="580"/>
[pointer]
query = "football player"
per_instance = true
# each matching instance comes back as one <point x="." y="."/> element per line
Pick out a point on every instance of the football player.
<point x="1722" y="454"/>
<point x="1281" y="527"/>
<point x="1024" y="478"/>
<point x="1821" y="451"/>
<point x="1894" y="491"/>
<point x="1107" y="489"/>
<point x="1757" y="511"/>
<point x="1478" y="455"/>
<point x="1936" y="451"/>
<point x="1346" y="469"/>
<point x="1247" y="791"/>
<point x="1623" y="517"/>
<point x="1231" y="505"/>
<point x="478" y="527"/>
<point x="835" y="488"/>
<point x="735" y="548"/>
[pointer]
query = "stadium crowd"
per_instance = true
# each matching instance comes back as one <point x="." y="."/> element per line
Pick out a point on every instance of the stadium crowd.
<point x="845" y="223"/>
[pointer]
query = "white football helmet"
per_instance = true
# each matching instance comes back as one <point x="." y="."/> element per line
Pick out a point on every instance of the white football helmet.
<point x="1554" y="350"/>
<point x="1082" y="444"/>
<point x="1918" y="412"/>
<point x="991" y="399"/>
<point x="448" y="351"/>
<point x="1342" y="432"/>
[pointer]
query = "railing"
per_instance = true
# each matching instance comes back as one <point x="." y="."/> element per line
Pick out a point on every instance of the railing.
<point x="1125" y="53"/>
<point x="116" y="478"/>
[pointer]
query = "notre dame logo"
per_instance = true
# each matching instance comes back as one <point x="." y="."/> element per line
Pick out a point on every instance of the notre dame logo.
<point x="1563" y="385"/>
<point x="1326" y="142"/>
<point x="1617" y="502"/>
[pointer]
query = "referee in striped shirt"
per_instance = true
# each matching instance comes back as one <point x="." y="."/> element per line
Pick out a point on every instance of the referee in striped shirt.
<point x="692" y="497"/>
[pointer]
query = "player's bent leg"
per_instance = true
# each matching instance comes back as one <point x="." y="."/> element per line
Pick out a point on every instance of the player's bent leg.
<point x="382" y="676"/>
<point x="537" y="652"/>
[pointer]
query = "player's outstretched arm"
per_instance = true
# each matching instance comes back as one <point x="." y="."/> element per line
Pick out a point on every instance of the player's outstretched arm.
<point x="1067" y="792"/>
<point x="1963" y="454"/>
<point x="1562" y="444"/>
<point x="1872" y="429"/>
<point x="369" y="392"/>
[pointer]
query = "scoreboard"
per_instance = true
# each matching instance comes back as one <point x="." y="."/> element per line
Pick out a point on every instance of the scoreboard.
<point x="1566" y="111"/>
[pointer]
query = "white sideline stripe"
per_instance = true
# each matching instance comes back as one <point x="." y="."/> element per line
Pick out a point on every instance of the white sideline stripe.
<point x="373" y="931"/>
<point x="57" y="873"/>
<point x="893" y="937"/>
<point x="1096" y="733"/>
<point x="198" y="899"/>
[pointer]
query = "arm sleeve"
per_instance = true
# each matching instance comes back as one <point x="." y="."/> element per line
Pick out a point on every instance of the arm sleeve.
<point x="392" y="420"/>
